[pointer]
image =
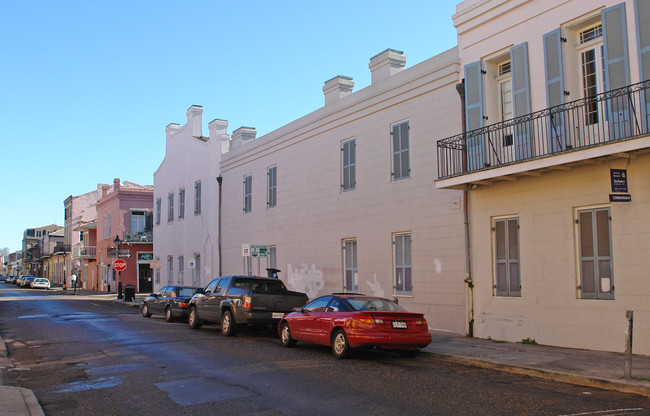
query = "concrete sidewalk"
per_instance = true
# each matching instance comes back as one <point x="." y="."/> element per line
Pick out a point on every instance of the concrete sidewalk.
<point x="596" y="369"/>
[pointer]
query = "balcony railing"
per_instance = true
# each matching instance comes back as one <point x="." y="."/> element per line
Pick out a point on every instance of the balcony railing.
<point x="61" y="248"/>
<point x="138" y="237"/>
<point x="84" y="252"/>
<point x="594" y="121"/>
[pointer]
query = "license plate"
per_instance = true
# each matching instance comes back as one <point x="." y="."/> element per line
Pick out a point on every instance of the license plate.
<point x="278" y="315"/>
<point x="399" y="325"/>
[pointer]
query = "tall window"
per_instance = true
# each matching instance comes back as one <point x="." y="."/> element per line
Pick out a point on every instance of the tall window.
<point x="401" y="158"/>
<point x="197" y="269"/>
<point x="594" y="232"/>
<point x="137" y="221"/>
<point x="105" y="229"/>
<point x="170" y="269"/>
<point x="170" y="207"/>
<point x="506" y="242"/>
<point x="157" y="270"/>
<point x="158" y="210"/>
<point x="110" y="232"/>
<point x="181" y="268"/>
<point x="248" y="193"/>
<point x="272" y="175"/>
<point x="350" y="263"/>
<point x="403" y="265"/>
<point x="590" y="51"/>
<point x="181" y="203"/>
<point x="273" y="260"/>
<point x="197" y="197"/>
<point x="349" y="155"/>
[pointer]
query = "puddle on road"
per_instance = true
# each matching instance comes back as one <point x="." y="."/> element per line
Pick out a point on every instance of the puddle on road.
<point x="193" y="391"/>
<point x="71" y="317"/>
<point x="113" y="369"/>
<point x="100" y="383"/>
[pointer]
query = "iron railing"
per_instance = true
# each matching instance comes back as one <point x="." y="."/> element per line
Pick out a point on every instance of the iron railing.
<point x="138" y="236"/>
<point x="615" y="115"/>
<point x="84" y="252"/>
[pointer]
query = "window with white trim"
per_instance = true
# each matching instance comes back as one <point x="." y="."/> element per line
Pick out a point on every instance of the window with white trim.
<point x="272" y="175"/>
<point x="595" y="252"/>
<point x="197" y="270"/>
<point x="401" y="149"/>
<point x="181" y="203"/>
<point x="181" y="269"/>
<point x="170" y="269"/>
<point x="248" y="193"/>
<point x="351" y="276"/>
<point x="349" y="165"/>
<point x="158" y="210"/>
<point x="197" y="197"/>
<point x="170" y="207"/>
<point x="506" y="260"/>
<point x="403" y="264"/>
<point x="157" y="270"/>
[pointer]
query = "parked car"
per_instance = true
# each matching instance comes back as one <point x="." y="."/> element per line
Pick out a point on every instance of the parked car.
<point x="349" y="321"/>
<point x="3" y="278"/>
<point x="9" y="279"/>
<point x="172" y="301"/>
<point x="235" y="301"/>
<point x="40" y="283"/>
<point x="26" y="280"/>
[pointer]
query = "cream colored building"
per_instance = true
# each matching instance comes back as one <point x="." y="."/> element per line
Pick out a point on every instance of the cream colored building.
<point x="345" y="199"/>
<point x="556" y="163"/>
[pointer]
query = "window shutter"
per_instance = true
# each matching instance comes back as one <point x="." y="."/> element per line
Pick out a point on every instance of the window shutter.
<point x="642" y="8"/>
<point x="513" y="258"/>
<point x="521" y="99"/>
<point x="587" y="258"/>
<point x="501" y="259"/>
<point x="404" y="147"/>
<point x="617" y="68"/>
<point x="553" y="66"/>
<point x="475" y="147"/>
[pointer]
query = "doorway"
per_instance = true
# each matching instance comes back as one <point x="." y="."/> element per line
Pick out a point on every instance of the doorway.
<point x="145" y="282"/>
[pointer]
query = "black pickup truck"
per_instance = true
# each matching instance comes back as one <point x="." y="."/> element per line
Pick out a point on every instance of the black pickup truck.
<point x="236" y="301"/>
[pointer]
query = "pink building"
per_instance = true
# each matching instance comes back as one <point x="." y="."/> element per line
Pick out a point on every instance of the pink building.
<point x="125" y="212"/>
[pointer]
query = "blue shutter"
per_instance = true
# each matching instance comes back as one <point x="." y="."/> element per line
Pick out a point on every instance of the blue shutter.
<point x="617" y="69"/>
<point x="521" y="99"/>
<point x="553" y="66"/>
<point x="642" y="9"/>
<point x="475" y="146"/>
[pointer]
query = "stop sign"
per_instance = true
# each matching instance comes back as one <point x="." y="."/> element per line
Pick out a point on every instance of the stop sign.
<point x="119" y="265"/>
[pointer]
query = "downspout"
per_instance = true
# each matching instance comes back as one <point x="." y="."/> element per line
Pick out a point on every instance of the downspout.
<point x="219" y="181"/>
<point x="460" y="88"/>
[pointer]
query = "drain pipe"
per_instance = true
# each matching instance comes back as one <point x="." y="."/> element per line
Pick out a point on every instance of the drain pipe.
<point x="219" y="181"/>
<point x="460" y="88"/>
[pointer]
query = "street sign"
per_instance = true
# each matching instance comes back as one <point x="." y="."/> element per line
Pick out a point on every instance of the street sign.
<point x="258" y="250"/>
<point x="119" y="265"/>
<point x="191" y="263"/>
<point x="246" y="250"/>
<point x="123" y="255"/>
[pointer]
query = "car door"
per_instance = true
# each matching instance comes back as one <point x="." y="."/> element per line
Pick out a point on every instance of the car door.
<point x="155" y="306"/>
<point x="218" y="297"/>
<point x="306" y="323"/>
<point x="202" y="300"/>
<point x="327" y="319"/>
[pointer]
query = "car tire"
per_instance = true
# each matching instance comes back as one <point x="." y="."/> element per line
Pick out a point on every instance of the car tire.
<point x="145" y="311"/>
<point x="340" y="345"/>
<point x="193" y="320"/>
<point x="285" y="336"/>
<point x="169" y="316"/>
<point x="228" y="324"/>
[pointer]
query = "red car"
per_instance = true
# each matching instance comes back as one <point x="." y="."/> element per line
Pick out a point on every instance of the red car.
<point x="349" y="321"/>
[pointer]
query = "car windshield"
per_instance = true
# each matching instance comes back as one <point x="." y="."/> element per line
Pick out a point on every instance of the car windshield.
<point x="186" y="292"/>
<point x="374" y="304"/>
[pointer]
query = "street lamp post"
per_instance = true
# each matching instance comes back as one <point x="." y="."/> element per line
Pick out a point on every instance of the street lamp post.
<point x="118" y="243"/>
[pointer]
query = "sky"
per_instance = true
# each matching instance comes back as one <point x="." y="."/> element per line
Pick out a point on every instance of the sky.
<point x="88" y="87"/>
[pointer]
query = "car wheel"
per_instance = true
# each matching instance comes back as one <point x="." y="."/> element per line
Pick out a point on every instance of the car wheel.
<point x="409" y="353"/>
<point x="145" y="311"/>
<point x="285" y="336"/>
<point x="227" y="324"/>
<point x="193" y="319"/>
<point x="169" y="317"/>
<point x="340" y="346"/>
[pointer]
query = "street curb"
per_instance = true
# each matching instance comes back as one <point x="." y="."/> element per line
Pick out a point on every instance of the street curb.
<point x="569" y="378"/>
<point x="3" y="348"/>
<point x="19" y="401"/>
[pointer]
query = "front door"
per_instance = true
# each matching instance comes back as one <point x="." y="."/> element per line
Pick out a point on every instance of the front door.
<point x="145" y="283"/>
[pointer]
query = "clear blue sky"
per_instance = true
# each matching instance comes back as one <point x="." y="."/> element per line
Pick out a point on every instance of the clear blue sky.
<point x="88" y="87"/>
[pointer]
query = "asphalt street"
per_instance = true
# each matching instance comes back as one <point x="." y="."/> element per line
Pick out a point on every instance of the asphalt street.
<point x="86" y="355"/>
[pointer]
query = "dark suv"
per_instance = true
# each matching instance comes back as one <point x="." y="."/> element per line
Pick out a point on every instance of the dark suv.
<point x="243" y="300"/>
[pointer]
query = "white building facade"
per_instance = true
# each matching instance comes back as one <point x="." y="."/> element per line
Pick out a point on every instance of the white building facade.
<point x="555" y="157"/>
<point x="344" y="197"/>
<point x="186" y="211"/>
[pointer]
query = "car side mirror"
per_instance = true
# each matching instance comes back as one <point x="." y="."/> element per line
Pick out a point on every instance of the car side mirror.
<point x="298" y="309"/>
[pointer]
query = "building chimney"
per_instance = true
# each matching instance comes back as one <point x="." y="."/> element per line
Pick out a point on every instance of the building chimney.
<point x="337" y="88"/>
<point x="105" y="190"/>
<point x="385" y="64"/>
<point x="195" y="120"/>
<point x="171" y="129"/>
<point x="116" y="184"/>
<point x="243" y="135"/>
<point x="218" y="130"/>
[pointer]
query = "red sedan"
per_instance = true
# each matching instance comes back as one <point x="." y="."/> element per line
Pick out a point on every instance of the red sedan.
<point x="349" y="321"/>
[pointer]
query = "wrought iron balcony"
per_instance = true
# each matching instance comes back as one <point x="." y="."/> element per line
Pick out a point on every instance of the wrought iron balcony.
<point x="138" y="237"/>
<point x="615" y="115"/>
<point x="84" y="252"/>
<point x="61" y="248"/>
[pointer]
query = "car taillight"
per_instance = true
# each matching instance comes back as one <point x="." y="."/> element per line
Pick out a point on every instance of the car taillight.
<point x="183" y="305"/>
<point x="247" y="302"/>
<point x="423" y="321"/>
<point x="366" y="319"/>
